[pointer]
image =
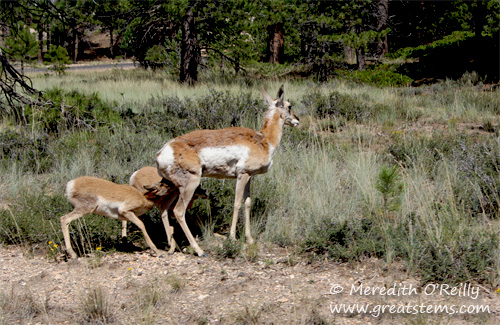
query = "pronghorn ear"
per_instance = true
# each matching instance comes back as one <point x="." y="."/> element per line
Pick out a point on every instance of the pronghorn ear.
<point x="280" y="97"/>
<point x="268" y="98"/>
<point x="151" y="187"/>
<point x="159" y="189"/>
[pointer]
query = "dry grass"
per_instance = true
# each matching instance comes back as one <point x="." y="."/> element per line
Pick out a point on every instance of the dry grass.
<point x="96" y="307"/>
<point x="21" y="306"/>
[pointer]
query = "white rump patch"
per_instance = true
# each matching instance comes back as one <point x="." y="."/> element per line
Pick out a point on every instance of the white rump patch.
<point x="223" y="161"/>
<point x="70" y="188"/>
<point x="165" y="158"/>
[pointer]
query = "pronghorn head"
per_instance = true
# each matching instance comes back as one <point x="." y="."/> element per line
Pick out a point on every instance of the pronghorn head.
<point x="159" y="191"/>
<point x="284" y="107"/>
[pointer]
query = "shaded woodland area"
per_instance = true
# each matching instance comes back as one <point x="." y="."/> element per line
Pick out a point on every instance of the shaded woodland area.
<point x="412" y="41"/>
<point x="326" y="35"/>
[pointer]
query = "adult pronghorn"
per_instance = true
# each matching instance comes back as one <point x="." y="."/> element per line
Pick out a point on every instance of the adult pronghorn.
<point x="234" y="152"/>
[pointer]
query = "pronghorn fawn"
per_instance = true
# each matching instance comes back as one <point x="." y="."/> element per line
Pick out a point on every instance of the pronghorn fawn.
<point x="147" y="179"/>
<point x="234" y="152"/>
<point x="123" y="202"/>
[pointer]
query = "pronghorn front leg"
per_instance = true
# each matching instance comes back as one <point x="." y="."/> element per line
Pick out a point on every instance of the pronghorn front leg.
<point x="168" y="229"/>
<point x="130" y="216"/>
<point x="242" y="190"/>
<point x="65" y="220"/>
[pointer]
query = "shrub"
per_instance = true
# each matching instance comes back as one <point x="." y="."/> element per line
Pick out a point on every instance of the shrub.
<point x="479" y="164"/>
<point x="336" y="105"/>
<point x="379" y="77"/>
<point x="58" y="56"/>
<point x="214" y="110"/>
<point x="349" y="240"/>
<point x="71" y="110"/>
<point x="413" y="149"/>
<point x="30" y="152"/>
<point x="156" y="57"/>
<point x="163" y="57"/>
<point x="471" y="254"/>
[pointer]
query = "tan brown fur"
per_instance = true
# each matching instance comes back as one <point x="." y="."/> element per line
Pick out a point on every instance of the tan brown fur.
<point x="93" y="195"/>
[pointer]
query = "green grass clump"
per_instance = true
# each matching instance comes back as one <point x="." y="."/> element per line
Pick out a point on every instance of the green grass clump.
<point x="230" y="248"/>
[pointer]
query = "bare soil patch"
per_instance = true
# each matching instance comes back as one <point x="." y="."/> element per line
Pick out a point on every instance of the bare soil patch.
<point x="279" y="288"/>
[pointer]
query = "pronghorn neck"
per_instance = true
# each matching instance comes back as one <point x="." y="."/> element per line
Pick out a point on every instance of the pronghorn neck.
<point x="273" y="127"/>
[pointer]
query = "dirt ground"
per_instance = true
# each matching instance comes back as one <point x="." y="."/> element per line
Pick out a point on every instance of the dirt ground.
<point x="277" y="288"/>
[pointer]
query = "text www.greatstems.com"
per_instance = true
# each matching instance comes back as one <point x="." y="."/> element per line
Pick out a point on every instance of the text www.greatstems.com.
<point x="409" y="308"/>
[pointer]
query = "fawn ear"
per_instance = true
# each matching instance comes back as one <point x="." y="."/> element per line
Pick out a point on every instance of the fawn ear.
<point x="151" y="187"/>
<point x="159" y="189"/>
<point x="268" y="98"/>
<point x="280" y="97"/>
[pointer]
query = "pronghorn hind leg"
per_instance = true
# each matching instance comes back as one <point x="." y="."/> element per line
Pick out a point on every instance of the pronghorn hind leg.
<point x="241" y="184"/>
<point x="171" y="242"/>
<point x="124" y="228"/>
<point x="65" y="221"/>
<point x="186" y="194"/>
<point x="248" y="203"/>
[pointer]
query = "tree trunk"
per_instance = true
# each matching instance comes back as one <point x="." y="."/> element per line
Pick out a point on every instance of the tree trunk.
<point x="349" y="54"/>
<point x="75" y="44"/>
<point x="323" y="68"/>
<point x="111" y="43"/>
<point x="190" y="52"/>
<point x="276" y="43"/>
<point x="360" y="57"/>
<point x="40" y="44"/>
<point x="382" y="17"/>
